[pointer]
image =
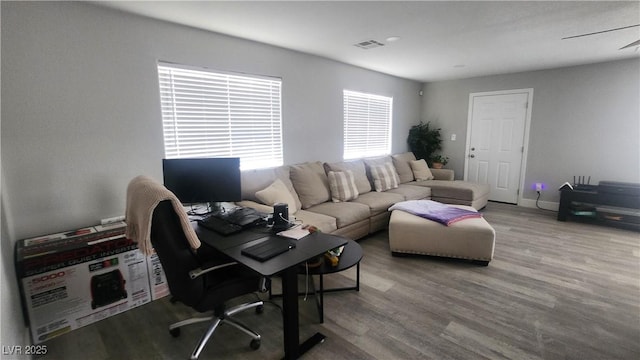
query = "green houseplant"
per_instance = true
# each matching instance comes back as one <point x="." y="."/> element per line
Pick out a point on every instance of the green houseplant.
<point x="424" y="141"/>
<point x="438" y="161"/>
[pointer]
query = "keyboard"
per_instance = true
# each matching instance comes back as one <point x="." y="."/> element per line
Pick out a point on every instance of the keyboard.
<point x="220" y="226"/>
<point x="268" y="248"/>
<point x="245" y="217"/>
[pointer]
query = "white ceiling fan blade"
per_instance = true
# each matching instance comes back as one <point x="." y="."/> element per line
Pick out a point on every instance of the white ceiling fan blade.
<point x="600" y="32"/>
<point x="635" y="43"/>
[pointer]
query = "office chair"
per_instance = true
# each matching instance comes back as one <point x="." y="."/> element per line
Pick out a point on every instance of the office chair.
<point x="202" y="286"/>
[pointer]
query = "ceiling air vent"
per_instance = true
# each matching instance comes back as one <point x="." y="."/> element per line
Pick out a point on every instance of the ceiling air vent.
<point x="369" y="44"/>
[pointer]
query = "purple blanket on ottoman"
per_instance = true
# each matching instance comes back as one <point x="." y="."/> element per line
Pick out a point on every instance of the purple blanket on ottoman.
<point x="435" y="211"/>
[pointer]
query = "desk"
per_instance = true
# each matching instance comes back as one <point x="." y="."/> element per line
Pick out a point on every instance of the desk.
<point x="285" y="265"/>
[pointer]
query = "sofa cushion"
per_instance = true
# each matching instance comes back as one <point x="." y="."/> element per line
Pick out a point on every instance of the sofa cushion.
<point x="384" y="177"/>
<point x="380" y="160"/>
<point x="457" y="189"/>
<point x="342" y="186"/>
<point x="275" y="193"/>
<point x="311" y="183"/>
<point x="359" y="173"/>
<point x="468" y="239"/>
<point x="258" y="179"/>
<point x="401" y="163"/>
<point x="324" y="223"/>
<point x="412" y="192"/>
<point x="346" y="213"/>
<point x="255" y="205"/>
<point x="421" y="170"/>
<point x="379" y="202"/>
<point x="443" y="174"/>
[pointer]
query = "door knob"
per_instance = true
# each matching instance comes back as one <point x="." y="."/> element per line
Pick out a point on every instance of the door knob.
<point x="473" y="148"/>
<point x="472" y="156"/>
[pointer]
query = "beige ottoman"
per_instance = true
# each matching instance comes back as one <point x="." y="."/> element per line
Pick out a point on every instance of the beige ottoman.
<point x="471" y="239"/>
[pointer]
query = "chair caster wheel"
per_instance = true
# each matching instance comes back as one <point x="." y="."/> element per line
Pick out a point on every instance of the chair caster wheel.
<point x="255" y="344"/>
<point x="174" y="332"/>
<point x="259" y="309"/>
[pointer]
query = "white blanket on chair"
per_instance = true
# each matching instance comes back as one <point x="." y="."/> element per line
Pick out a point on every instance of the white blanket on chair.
<point x="143" y="195"/>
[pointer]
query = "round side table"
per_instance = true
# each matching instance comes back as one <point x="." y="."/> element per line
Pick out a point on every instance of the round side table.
<point x="351" y="256"/>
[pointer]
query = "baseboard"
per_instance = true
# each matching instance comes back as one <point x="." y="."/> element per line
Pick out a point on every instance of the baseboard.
<point x="547" y="205"/>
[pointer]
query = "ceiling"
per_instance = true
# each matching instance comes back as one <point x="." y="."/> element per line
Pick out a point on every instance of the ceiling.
<point x="438" y="40"/>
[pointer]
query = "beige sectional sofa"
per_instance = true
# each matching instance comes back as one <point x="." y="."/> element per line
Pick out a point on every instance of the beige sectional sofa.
<point x="351" y="198"/>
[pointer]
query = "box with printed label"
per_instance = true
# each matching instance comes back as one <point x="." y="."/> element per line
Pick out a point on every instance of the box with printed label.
<point x="76" y="278"/>
<point x="157" y="278"/>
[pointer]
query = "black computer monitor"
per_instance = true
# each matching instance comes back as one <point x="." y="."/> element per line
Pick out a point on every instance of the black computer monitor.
<point x="203" y="180"/>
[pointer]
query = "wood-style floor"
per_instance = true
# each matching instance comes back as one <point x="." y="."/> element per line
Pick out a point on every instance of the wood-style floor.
<point x="554" y="290"/>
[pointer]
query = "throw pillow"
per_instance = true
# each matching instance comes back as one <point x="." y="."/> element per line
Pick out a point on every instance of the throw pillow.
<point x="257" y="179"/>
<point x="359" y="173"/>
<point x="342" y="185"/>
<point x="421" y="170"/>
<point x="311" y="183"/>
<point x="375" y="161"/>
<point x="401" y="163"/>
<point x="275" y="193"/>
<point x="384" y="177"/>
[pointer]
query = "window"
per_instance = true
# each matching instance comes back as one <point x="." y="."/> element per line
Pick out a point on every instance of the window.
<point x="367" y="124"/>
<point x="211" y="114"/>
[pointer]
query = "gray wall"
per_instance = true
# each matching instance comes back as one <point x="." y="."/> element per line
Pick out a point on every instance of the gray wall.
<point x="80" y="114"/>
<point x="11" y="326"/>
<point x="81" y="105"/>
<point x="585" y="121"/>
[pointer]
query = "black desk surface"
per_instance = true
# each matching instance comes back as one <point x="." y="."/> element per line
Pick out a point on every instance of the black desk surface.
<point x="309" y="246"/>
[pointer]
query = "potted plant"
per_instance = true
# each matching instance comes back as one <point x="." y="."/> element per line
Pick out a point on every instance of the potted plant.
<point x="424" y="141"/>
<point x="438" y="161"/>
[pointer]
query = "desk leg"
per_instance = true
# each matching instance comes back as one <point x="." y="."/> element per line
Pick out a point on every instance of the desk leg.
<point x="290" y="313"/>
<point x="321" y="309"/>
<point x="292" y="347"/>
<point x="358" y="277"/>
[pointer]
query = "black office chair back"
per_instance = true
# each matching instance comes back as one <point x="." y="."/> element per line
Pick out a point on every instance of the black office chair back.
<point x="176" y="256"/>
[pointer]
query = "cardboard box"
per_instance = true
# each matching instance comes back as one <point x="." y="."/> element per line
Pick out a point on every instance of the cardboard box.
<point x="157" y="279"/>
<point x="76" y="278"/>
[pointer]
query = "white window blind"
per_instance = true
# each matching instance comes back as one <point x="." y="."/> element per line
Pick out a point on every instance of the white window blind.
<point x="367" y="124"/>
<point x="210" y="114"/>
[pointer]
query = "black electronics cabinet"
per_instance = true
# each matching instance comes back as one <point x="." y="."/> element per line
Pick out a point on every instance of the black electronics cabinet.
<point x="609" y="203"/>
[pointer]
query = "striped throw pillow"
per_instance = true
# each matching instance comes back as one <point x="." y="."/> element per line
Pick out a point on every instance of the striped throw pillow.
<point x="384" y="177"/>
<point x="342" y="185"/>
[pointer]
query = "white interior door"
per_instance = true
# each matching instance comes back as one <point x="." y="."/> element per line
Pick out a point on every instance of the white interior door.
<point x="496" y="141"/>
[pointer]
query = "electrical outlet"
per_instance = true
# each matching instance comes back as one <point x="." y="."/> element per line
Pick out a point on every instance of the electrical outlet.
<point x="538" y="186"/>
